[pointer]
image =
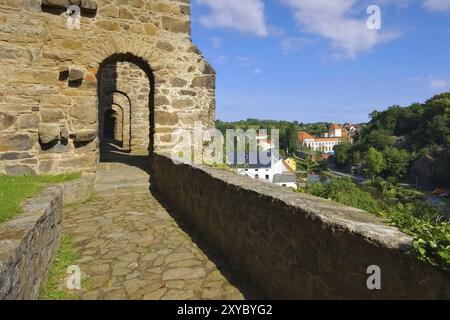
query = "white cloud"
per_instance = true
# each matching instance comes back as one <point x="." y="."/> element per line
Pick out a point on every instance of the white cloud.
<point x="257" y="72"/>
<point x="293" y="44"/>
<point x="440" y="84"/>
<point x="245" y="62"/>
<point x="217" y="42"/>
<point x="246" y="16"/>
<point x="222" y="59"/>
<point x="331" y="20"/>
<point x="437" y="5"/>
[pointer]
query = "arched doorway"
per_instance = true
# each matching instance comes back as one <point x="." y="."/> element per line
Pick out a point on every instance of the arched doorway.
<point x="110" y="128"/>
<point x="126" y="106"/>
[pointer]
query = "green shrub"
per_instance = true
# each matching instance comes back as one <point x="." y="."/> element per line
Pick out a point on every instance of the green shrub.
<point x="346" y="192"/>
<point x="424" y="222"/>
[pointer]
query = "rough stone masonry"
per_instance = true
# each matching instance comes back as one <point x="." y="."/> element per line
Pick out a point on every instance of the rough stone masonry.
<point x="130" y="58"/>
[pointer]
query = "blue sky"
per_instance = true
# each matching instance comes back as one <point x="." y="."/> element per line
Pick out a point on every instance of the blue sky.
<point x="316" y="60"/>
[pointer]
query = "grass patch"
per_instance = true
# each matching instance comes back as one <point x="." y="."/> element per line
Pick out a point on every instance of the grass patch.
<point x="65" y="257"/>
<point x="15" y="190"/>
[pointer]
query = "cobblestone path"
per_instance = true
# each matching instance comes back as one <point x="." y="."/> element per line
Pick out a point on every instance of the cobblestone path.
<point x="131" y="247"/>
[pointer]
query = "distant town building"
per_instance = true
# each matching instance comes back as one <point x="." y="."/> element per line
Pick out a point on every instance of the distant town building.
<point x="327" y="140"/>
<point x="352" y="129"/>
<point x="265" y="165"/>
<point x="263" y="141"/>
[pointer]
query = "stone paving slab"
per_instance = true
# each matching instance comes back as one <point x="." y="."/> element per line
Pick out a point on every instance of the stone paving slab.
<point x="131" y="247"/>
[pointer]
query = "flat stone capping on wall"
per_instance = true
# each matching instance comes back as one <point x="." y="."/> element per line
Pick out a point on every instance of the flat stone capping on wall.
<point x="296" y="246"/>
<point x="28" y="244"/>
<point x="79" y="190"/>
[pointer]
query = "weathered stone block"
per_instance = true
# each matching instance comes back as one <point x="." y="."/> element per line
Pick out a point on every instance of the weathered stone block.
<point x="109" y="11"/>
<point x="83" y="136"/>
<point x="29" y="121"/>
<point x="176" y="25"/>
<point x="87" y="115"/>
<point x="166" y="118"/>
<point x="205" y="81"/>
<point x="161" y="100"/>
<point x="20" y="170"/>
<point x="76" y="74"/>
<point x="178" y="82"/>
<point x="89" y="5"/>
<point x="125" y="14"/>
<point x="49" y="132"/>
<point x="16" y="142"/>
<point x="50" y="115"/>
<point x="165" y="46"/>
<point x="150" y="29"/>
<point x="206" y="68"/>
<point x="9" y="53"/>
<point x="15" y="156"/>
<point x="108" y="25"/>
<point x="60" y="4"/>
<point x="6" y="120"/>
<point x="181" y="104"/>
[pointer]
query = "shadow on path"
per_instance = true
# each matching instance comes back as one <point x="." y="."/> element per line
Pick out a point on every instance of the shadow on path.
<point x="113" y="154"/>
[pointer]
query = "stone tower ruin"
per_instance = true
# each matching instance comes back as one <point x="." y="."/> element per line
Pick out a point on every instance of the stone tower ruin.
<point x="76" y="72"/>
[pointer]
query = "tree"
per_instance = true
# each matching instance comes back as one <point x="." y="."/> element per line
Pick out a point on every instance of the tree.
<point x="291" y="139"/>
<point x="396" y="162"/>
<point x="342" y="153"/>
<point x="374" y="163"/>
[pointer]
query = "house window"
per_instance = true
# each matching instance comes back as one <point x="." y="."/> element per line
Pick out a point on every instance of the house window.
<point x="267" y="177"/>
<point x="256" y="176"/>
<point x="284" y="185"/>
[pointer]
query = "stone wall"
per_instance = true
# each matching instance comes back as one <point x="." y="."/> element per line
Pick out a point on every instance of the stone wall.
<point x="28" y="245"/>
<point x="50" y="87"/>
<point x="296" y="246"/>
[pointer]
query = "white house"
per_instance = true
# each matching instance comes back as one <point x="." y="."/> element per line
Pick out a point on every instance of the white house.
<point x="266" y="165"/>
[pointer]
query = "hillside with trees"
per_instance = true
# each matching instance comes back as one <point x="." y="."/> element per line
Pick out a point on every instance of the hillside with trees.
<point x="404" y="143"/>
<point x="288" y="130"/>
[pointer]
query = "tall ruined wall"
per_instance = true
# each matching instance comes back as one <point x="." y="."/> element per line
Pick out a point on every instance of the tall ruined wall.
<point x="49" y="78"/>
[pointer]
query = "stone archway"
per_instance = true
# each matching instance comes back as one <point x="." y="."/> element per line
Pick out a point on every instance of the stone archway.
<point x="119" y="102"/>
<point x="126" y="85"/>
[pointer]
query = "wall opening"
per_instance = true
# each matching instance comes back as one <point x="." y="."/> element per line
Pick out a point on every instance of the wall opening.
<point x="110" y="127"/>
<point x="126" y="106"/>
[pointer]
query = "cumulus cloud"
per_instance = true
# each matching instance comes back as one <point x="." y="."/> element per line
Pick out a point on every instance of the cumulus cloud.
<point x="217" y="42"/>
<point x="331" y="20"/>
<point x="245" y="16"/>
<point x="437" y="5"/>
<point x="440" y="84"/>
<point x="293" y="44"/>
<point x="257" y="72"/>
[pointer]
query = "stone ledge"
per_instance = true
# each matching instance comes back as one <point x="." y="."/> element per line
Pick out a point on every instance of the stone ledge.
<point x="294" y="245"/>
<point x="79" y="190"/>
<point x="28" y="244"/>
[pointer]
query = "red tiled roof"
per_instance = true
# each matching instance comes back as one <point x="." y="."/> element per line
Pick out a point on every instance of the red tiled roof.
<point x="302" y="136"/>
<point x="335" y="127"/>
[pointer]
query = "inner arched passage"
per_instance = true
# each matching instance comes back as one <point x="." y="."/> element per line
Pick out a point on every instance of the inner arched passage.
<point x="126" y="107"/>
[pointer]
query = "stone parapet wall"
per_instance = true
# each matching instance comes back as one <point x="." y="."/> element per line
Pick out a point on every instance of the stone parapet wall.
<point x="28" y="244"/>
<point x="296" y="246"/>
